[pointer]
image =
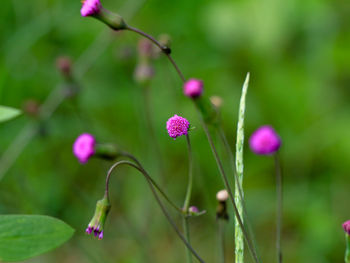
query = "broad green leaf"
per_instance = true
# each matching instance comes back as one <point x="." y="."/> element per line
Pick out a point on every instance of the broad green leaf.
<point x="26" y="236"/>
<point x="7" y="113"/>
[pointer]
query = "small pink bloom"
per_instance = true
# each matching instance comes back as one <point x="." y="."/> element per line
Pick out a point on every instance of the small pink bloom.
<point x="265" y="141"/>
<point x="193" y="88"/>
<point x="84" y="147"/>
<point x="177" y="126"/>
<point x="193" y="209"/>
<point x="346" y="227"/>
<point x="90" y="7"/>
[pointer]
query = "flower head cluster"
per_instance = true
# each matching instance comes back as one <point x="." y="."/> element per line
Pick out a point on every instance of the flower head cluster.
<point x="177" y="126"/>
<point x="346" y="227"/>
<point x="90" y="7"/>
<point x="193" y="88"/>
<point x="265" y="141"/>
<point x="84" y="147"/>
<point x="97" y="223"/>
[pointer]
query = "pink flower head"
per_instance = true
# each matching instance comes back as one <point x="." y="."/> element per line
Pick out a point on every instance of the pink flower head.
<point x="90" y="7"/>
<point x="84" y="147"/>
<point x="177" y="126"/>
<point x="193" y="209"/>
<point x="265" y="141"/>
<point x="193" y="88"/>
<point x="346" y="227"/>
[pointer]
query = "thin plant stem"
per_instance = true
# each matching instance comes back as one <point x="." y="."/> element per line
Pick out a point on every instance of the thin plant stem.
<point x="153" y="189"/>
<point x="166" y="50"/>
<point x="347" y="251"/>
<point x="185" y="217"/>
<point x="132" y="157"/>
<point x="190" y="175"/>
<point x="186" y="227"/>
<point x="228" y="188"/>
<point x="279" y="206"/>
<point x="221" y="240"/>
<point x="234" y="171"/>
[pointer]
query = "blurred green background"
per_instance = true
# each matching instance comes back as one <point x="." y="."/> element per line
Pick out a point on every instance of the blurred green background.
<point x="298" y="54"/>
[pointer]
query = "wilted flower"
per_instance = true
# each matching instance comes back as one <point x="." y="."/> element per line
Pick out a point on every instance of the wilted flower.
<point x="265" y="141"/>
<point x="193" y="88"/>
<point x="98" y="221"/>
<point x="177" y="126"/>
<point x="90" y="7"/>
<point x="346" y="227"/>
<point x="84" y="147"/>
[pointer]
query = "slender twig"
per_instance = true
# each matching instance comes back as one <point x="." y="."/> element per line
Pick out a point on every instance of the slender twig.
<point x="153" y="189"/>
<point x="279" y="206"/>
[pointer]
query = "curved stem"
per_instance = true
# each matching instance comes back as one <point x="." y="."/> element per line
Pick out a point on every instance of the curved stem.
<point x="279" y="207"/>
<point x="228" y="188"/>
<point x="165" y="212"/>
<point x="166" y="50"/>
<point x="190" y="176"/>
<point x="132" y="157"/>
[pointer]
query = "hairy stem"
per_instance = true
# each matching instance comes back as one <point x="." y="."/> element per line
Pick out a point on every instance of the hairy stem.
<point x="190" y="176"/>
<point x="153" y="189"/>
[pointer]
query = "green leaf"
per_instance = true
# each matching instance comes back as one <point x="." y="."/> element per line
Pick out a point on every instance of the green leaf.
<point x="26" y="236"/>
<point x="7" y="113"/>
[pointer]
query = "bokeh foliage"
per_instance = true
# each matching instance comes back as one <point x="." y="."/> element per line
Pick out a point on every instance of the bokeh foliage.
<point x="298" y="54"/>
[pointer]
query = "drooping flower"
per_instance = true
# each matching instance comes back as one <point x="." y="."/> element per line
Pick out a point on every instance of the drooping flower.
<point x="90" y="7"/>
<point x="193" y="88"/>
<point x="346" y="227"/>
<point x="222" y="195"/>
<point x="265" y="141"/>
<point x="84" y="147"/>
<point x="177" y="126"/>
<point x="97" y="222"/>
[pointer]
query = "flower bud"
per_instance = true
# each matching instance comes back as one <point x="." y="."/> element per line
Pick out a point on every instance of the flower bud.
<point x="144" y="72"/>
<point x="222" y="195"/>
<point x="64" y="65"/>
<point x="94" y="8"/>
<point x="97" y="222"/>
<point x="193" y="88"/>
<point x="216" y="101"/>
<point x="221" y="209"/>
<point x="265" y="141"/>
<point x="84" y="147"/>
<point x="346" y="227"/>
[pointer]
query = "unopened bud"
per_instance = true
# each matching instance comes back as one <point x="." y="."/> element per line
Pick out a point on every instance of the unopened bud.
<point x="144" y="72"/>
<point x="221" y="210"/>
<point x="222" y="195"/>
<point x="64" y="65"/>
<point x="97" y="222"/>
<point x="31" y="107"/>
<point x="216" y="101"/>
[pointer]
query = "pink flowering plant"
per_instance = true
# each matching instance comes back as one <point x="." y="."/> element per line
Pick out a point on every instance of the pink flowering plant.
<point x="182" y="206"/>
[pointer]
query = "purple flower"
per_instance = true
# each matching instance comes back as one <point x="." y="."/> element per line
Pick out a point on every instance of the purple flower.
<point x="177" y="126"/>
<point x="346" y="227"/>
<point x="84" y="147"/>
<point x="96" y="224"/>
<point x="90" y="7"/>
<point x="193" y="88"/>
<point x="193" y="210"/>
<point x="265" y="141"/>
